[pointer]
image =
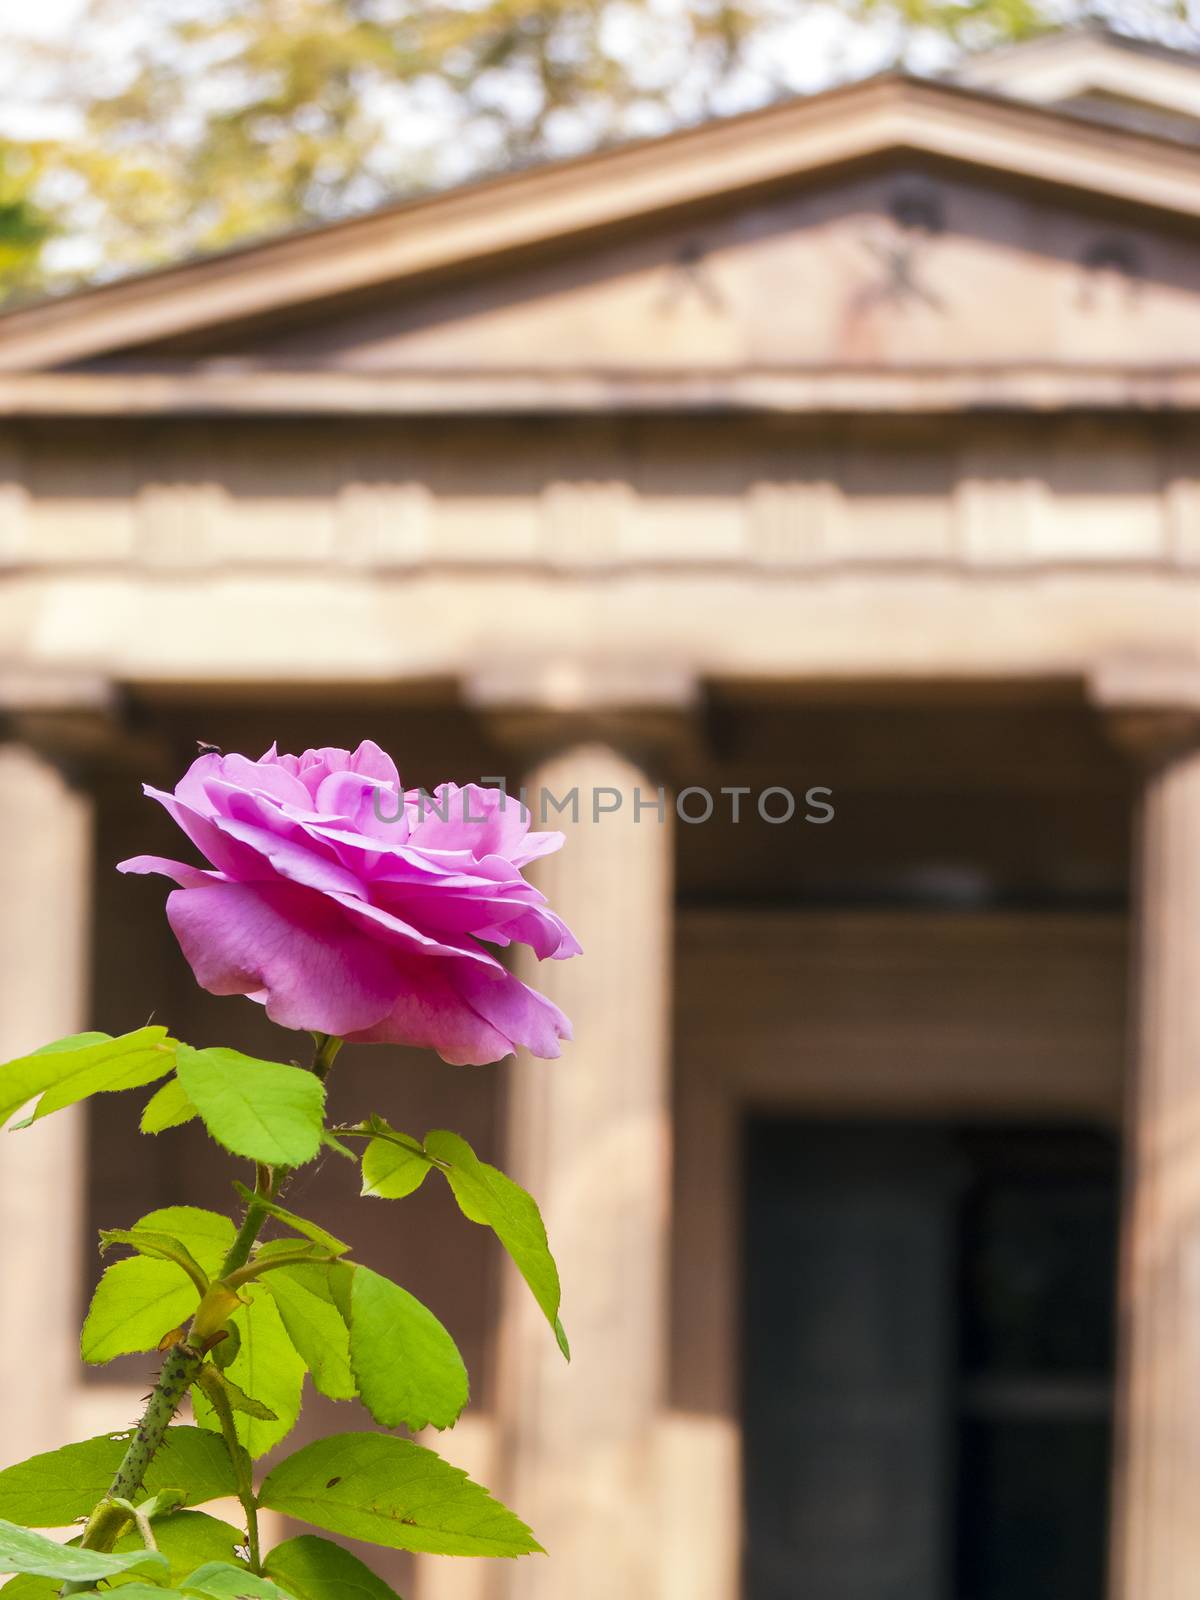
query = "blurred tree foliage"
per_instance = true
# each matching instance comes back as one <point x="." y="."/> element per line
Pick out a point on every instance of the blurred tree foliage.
<point x="211" y="121"/>
<point x="24" y="225"/>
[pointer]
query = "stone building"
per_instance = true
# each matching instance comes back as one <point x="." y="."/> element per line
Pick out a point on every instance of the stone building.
<point x="849" y="445"/>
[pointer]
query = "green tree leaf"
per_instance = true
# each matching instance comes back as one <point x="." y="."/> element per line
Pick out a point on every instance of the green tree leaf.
<point x="395" y="1493"/>
<point x="225" y="1351"/>
<point x="168" y="1107"/>
<point x="71" y="1069"/>
<point x="391" y="1171"/>
<point x="407" y="1367"/>
<point x="315" y="1326"/>
<point x="192" y="1461"/>
<point x="207" y="1234"/>
<point x="262" y="1110"/>
<point x="161" y="1504"/>
<point x="55" y="1488"/>
<point x="135" y="1304"/>
<point x="160" y="1246"/>
<point x="267" y="1368"/>
<point x="485" y="1195"/>
<point x="188" y="1539"/>
<point x="129" y="1585"/>
<point x="301" y="1225"/>
<point x="312" y="1568"/>
<point x="214" y="1383"/>
<point x="144" y="1591"/>
<point x="224" y="1582"/>
<point x="23" y="1551"/>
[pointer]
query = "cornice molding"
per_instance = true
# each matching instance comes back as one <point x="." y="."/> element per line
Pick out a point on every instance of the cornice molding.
<point x="476" y="225"/>
<point x="1003" y="389"/>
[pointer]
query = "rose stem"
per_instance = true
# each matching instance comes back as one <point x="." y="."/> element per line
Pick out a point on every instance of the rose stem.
<point x="180" y="1368"/>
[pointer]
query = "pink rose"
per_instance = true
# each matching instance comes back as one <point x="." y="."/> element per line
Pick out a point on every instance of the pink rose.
<point x="349" y="906"/>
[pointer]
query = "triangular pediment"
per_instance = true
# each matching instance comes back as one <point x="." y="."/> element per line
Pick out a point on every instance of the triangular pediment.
<point x="902" y="266"/>
<point x="895" y="224"/>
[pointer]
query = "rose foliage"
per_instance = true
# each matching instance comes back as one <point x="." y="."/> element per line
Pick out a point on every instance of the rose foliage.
<point x="351" y="909"/>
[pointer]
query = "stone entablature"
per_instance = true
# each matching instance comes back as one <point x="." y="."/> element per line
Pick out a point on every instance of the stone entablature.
<point x="672" y="496"/>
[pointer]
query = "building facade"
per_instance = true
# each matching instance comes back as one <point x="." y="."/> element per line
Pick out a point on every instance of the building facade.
<point x="841" y="454"/>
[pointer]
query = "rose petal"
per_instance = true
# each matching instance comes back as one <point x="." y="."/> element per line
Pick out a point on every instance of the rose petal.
<point x="314" y="970"/>
<point x="429" y="1011"/>
<point x="347" y="905"/>
<point x="469" y="1015"/>
<point x="514" y="1009"/>
<point x="186" y="876"/>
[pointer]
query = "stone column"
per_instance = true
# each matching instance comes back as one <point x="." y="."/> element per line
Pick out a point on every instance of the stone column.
<point x="45" y="881"/>
<point x="1155" y="713"/>
<point x="589" y="1135"/>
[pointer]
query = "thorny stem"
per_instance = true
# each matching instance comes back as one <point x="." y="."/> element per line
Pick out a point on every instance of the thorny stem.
<point x="108" y="1520"/>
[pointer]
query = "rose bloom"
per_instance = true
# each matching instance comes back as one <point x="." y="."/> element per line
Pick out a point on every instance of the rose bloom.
<point x="347" y="905"/>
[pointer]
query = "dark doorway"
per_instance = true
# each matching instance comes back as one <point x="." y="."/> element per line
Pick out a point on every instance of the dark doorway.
<point x="928" y="1361"/>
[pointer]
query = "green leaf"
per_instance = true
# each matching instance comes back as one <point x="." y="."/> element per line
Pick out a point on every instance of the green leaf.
<point x="58" y="1487"/>
<point x="25" y="1588"/>
<point x="53" y="1489"/>
<point x="225" y="1351"/>
<point x="485" y="1195"/>
<point x="185" y="1540"/>
<point x="135" y="1304"/>
<point x="407" y="1367"/>
<point x="214" y="1383"/>
<point x="391" y="1171"/>
<point x="188" y="1539"/>
<point x="168" y="1107"/>
<point x="160" y="1504"/>
<point x="315" y="1326"/>
<point x="23" y="1551"/>
<point x="225" y="1582"/>
<point x="258" y="1109"/>
<point x="265" y="1367"/>
<point x="161" y="1246"/>
<point x="395" y="1493"/>
<point x="145" y="1591"/>
<point x="138" y="1301"/>
<point x="312" y="1568"/>
<point x="310" y="1230"/>
<point x="193" y="1461"/>
<point x="207" y="1234"/>
<point x="87" y="1063"/>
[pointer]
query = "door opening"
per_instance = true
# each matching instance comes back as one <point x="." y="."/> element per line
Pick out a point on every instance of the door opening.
<point x="928" y="1348"/>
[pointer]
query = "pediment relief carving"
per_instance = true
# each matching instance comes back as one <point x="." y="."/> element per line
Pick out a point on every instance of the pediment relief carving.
<point x="907" y="267"/>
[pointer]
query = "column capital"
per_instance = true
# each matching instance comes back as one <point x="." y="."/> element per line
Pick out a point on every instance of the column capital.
<point x="77" y="720"/>
<point x="1150" y="705"/>
<point x="63" y="715"/>
<point x="650" y="711"/>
